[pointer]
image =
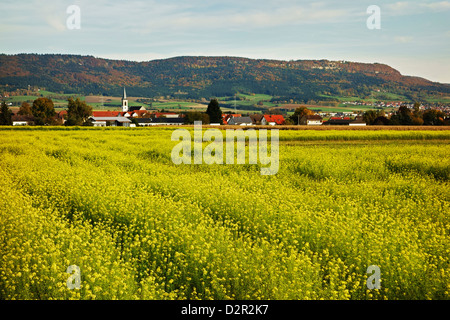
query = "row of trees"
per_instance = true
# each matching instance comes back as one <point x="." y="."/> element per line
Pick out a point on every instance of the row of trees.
<point x="407" y="116"/>
<point x="42" y="112"/>
<point x="213" y="114"/>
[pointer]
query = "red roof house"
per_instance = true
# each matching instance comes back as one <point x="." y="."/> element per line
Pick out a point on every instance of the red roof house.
<point x="106" y="113"/>
<point x="227" y="117"/>
<point x="273" y="119"/>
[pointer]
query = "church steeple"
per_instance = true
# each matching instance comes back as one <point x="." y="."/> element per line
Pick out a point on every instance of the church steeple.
<point x="124" y="101"/>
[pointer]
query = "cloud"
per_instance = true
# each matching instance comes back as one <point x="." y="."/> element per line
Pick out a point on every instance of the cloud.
<point x="403" y="39"/>
<point x="252" y="18"/>
<point x="53" y="15"/>
<point x="399" y="6"/>
<point x="409" y="7"/>
<point x="438" y="6"/>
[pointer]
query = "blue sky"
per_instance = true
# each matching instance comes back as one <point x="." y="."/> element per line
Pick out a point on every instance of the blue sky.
<point x="414" y="36"/>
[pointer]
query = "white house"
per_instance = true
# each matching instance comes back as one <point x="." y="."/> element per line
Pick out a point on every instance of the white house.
<point x="312" y="120"/>
<point x="358" y="122"/>
<point x="20" y="123"/>
<point x="272" y="120"/>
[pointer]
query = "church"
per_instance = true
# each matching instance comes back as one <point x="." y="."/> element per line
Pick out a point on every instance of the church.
<point x="124" y="101"/>
<point x="122" y="118"/>
<point x="113" y="118"/>
<point x="125" y="107"/>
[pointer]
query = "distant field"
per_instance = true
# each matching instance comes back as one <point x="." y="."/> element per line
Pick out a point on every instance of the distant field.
<point x="439" y="99"/>
<point x="374" y="97"/>
<point x="250" y="100"/>
<point x="340" y="108"/>
<point x="59" y="100"/>
<point x="179" y="106"/>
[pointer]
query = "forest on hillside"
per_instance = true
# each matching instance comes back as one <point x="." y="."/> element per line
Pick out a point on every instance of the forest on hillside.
<point x="204" y="77"/>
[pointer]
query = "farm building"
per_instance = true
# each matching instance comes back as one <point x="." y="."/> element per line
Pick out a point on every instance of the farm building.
<point x="166" y="115"/>
<point x="311" y="120"/>
<point x="227" y="117"/>
<point x="346" y="121"/>
<point x="358" y="122"/>
<point x="128" y="114"/>
<point x="110" y="121"/>
<point x="101" y="114"/>
<point x="240" y="121"/>
<point x="256" y="118"/>
<point x="18" y="120"/>
<point x="160" y="122"/>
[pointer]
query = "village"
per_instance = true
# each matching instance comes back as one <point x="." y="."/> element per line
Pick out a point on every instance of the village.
<point x="139" y="116"/>
<point x="131" y="115"/>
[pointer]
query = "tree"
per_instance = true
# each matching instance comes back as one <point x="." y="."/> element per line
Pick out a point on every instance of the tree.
<point x="196" y="116"/>
<point x="381" y="121"/>
<point x="78" y="112"/>
<point x="404" y="116"/>
<point x="370" y="116"/>
<point x="214" y="112"/>
<point x="5" y="115"/>
<point x="299" y="113"/>
<point x="133" y="121"/>
<point x="289" y="122"/>
<point x="417" y="113"/>
<point x="43" y="111"/>
<point x="25" y="109"/>
<point x="417" y="121"/>
<point x="433" y="118"/>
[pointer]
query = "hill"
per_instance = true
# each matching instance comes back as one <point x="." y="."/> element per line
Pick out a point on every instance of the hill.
<point x="204" y="77"/>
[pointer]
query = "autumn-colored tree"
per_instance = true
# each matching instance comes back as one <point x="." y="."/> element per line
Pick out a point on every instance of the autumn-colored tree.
<point x="43" y="111"/>
<point x="433" y="118"/>
<point x="299" y="113"/>
<point x="25" y="109"/>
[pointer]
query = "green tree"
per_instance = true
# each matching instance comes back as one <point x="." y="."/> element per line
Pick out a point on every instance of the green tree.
<point x="43" y="111"/>
<point x="78" y="112"/>
<point x="370" y="116"/>
<point x="381" y="121"/>
<point x="5" y="115"/>
<point x="214" y="112"/>
<point x="289" y="122"/>
<point x="417" y="113"/>
<point x="190" y="117"/>
<point x="134" y="121"/>
<point x="403" y="116"/>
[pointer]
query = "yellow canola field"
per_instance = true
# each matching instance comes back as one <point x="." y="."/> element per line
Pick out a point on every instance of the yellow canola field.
<point x="140" y="227"/>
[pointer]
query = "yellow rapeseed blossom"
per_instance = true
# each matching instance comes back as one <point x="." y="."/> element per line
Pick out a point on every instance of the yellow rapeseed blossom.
<point x="139" y="227"/>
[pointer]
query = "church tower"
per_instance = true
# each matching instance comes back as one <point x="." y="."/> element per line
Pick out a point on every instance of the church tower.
<point x="124" y="101"/>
